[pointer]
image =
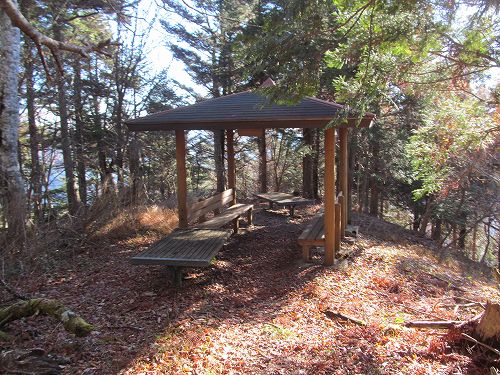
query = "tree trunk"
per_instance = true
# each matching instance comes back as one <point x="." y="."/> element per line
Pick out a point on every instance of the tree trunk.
<point x="73" y="203"/>
<point x="426" y="216"/>
<point x="462" y="233"/>
<point x="219" y="159"/>
<point x="315" y="162"/>
<point x="307" y="165"/>
<point x="374" y="189"/>
<point x="262" y="164"/>
<point x="436" y="230"/>
<point x="135" y="169"/>
<point x="474" y="243"/>
<point x="36" y="170"/>
<point x="10" y="178"/>
<point x="79" y="128"/>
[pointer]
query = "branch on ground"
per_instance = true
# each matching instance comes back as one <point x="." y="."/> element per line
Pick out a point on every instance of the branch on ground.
<point x="50" y="307"/>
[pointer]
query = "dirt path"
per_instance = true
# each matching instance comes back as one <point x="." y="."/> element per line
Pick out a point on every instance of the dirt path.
<point x="260" y="309"/>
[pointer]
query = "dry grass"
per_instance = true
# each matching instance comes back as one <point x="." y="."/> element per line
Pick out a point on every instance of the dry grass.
<point x="128" y="223"/>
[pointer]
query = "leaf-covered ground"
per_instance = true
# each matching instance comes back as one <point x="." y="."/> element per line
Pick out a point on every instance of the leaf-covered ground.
<point x="261" y="310"/>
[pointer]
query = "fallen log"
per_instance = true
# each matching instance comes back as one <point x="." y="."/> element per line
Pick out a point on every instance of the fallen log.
<point x="32" y="361"/>
<point x="50" y="307"/>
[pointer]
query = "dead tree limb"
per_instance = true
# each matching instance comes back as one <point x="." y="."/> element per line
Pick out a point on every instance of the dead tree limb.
<point x="472" y="339"/>
<point x="32" y="361"/>
<point x="433" y="324"/>
<point x="50" y="307"/>
<point x="336" y="315"/>
<point x="23" y="24"/>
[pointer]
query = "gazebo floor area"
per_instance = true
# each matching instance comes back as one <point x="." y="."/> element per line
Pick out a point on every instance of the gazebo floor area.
<point x="184" y="248"/>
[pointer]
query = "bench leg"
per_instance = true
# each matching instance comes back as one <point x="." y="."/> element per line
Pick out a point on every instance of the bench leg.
<point x="177" y="276"/>
<point x="250" y="217"/>
<point x="306" y="255"/>
<point x="236" y="225"/>
<point x="292" y="210"/>
<point x="271" y="205"/>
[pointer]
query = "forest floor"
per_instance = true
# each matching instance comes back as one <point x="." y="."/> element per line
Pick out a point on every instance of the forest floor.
<point x="261" y="310"/>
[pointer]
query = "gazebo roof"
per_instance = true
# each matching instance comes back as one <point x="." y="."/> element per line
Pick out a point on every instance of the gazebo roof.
<point x="244" y="110"/>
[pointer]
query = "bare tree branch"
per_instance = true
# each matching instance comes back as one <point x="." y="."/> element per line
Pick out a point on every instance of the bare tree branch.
<point x="40" y="39"/>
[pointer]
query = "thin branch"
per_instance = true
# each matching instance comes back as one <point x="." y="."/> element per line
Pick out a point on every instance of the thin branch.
<point x="11" y="290"/>
<point x="23" y="24"/>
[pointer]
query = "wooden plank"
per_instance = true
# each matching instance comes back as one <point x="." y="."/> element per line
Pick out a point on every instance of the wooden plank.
<point x="180" y="157"/>
<point x="225" y="217"/>
<point x="231" y="166"/>
<point x="343" y="175"/>
<point x="194" y="247"/>
<point x="284" y="199"/>
<point x="329" y="217"/>
<point x="217" y="205"/>
<point x="205" y="202"/>
<point x="311" y="227"/>
<point x="251" y="132"/>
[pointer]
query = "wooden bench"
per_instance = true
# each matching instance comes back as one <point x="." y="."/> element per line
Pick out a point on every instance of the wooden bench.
<point x="312" y="236"/>
<point x="196" y="246"/>
<point x="216" y="204"/>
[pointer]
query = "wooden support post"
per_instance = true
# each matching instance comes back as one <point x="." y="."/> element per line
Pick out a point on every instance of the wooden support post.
<point x="250" y="217"/>
<point x="329" y="216"/>
<point x="343" y="176"/>
<point x="306" y="253"/>
<point x="177" y="276"/>
<point x="236" y="225"/>
<point x="180" y="155"/>
<point x="338" y="226"/>
<point x="231" y="167"/>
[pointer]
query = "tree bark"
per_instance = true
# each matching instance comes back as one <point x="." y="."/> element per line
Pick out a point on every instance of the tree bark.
<point x="374" y="189"/>
<point x="219" y="159"/>
<point x="135" y="169"/>
<point x="22" y="309"/>
<point x="307" y="165"/>
<point x="262" y="164"/>
<point x="73" y="203"/>
<point x="11" y="178"/>
<point x="79" y="128"/>
<point x="315" y="162"/>
<point x="36" y="170"/>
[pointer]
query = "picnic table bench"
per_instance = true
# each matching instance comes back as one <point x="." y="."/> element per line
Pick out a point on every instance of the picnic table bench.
<point x="314" y="234"/>
<point x="196" y="246"/>
<point x="284" y="199"/>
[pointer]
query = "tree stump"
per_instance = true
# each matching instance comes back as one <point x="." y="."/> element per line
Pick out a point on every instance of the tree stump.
<point x="488" y="326"/>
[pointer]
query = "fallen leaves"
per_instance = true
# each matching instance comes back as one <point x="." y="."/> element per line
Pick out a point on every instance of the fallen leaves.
<point x="260" y="310"/>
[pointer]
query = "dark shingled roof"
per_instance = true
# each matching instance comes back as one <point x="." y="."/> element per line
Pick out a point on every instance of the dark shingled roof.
<point x="244" y="110"/>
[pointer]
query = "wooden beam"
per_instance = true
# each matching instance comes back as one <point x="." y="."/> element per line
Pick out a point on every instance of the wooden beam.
<point x="251" y="132"/>
<point x="231" y="167"/>
<point x="343" y="176"/>
<point x="329" y="196"/>
<point x="180" y="156"/>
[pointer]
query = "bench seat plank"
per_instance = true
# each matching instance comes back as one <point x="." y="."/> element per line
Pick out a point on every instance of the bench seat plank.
<point x="225" y="217"/>
<point x="314" y="234"/>
<point x="190" y="248"/>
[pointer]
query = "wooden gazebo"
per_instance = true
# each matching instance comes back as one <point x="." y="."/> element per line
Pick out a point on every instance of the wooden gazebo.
<point x="251" y="113"/>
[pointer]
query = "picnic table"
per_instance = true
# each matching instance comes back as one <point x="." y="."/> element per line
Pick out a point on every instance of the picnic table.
<point x="284" y="199"/>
